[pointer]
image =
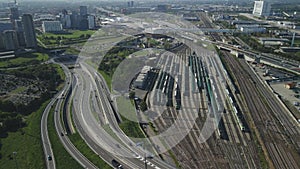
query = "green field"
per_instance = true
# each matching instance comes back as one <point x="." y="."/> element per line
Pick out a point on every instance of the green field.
<point x="70" y="35"/>
<point x="24" y="60"/>
<point x="129" y="124"/>
<point x="131" y="128"/>
<point x="126" y="108"/>
<point x="26" y="142"/>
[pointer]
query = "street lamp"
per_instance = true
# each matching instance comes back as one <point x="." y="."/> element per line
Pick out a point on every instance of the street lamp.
<point x="145" y="155"/>
<point x="15" y="158"/>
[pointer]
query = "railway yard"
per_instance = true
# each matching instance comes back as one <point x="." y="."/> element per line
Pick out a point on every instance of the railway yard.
<point x="231" y="146"/>
<point x="193" y="88"/>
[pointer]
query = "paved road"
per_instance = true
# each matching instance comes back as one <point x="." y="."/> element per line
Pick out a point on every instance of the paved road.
<point x="45" y="138"/>
<point x="125" y="151"/>
<point x="59" y="128"/>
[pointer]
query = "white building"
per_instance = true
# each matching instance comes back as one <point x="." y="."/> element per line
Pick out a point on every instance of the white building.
<point x="51" y="26"/>
<point x="261" y="8"/>
<point x="91" y="21"/>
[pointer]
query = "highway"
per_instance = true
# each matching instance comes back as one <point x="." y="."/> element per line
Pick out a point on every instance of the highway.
<point x="59" y="100"/>
<point x="72" y="150"/>
<point x="45" y="137"/>
<point x="126" y="151"/>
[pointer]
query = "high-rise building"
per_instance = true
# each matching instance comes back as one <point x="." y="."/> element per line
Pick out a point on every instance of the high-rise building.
<point x="261" y="9"/>
<point x="4" y="25"/>
<point x="91" y="20"/>
<point x="68" y="21"/>
<point x="83" y="10"/>
<point x="74" y="20"/>
<point x="29" y="32"/>
<point x="2" y="45"/>
<point x="83" y="23"/>
<point x="130" y="3"/>
<point x="20" y="32"/>
<point x="10" y="40"/>
<point x="14" y="14"/>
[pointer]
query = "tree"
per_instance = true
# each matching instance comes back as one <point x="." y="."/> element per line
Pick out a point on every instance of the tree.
<point x="143" y="106"/>
<point x="131" y="95"/>
<point x="7" y="106"/>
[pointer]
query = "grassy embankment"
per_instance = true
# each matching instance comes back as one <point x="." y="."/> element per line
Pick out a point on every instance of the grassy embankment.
<point x="24" y="60"/>
<point x="26" y="142"/>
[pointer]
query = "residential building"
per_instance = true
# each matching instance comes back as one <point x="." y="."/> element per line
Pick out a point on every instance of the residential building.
<point x="2" y="45"/>
<point x="20" y="32"/>
<point x="10" y="40"/>
<point x="83" y="23"/>
<point x="14" y="14"/>
<point x="261" y="9"/>
<point x="68" y="23"/>
<point x="74" y="20"/>
<point x="29" y="32"/>
<point x="91" y="21"/>
<point x="5" y="25"/>
<point x="83" y="10"/>
<point x="51" y="26"/>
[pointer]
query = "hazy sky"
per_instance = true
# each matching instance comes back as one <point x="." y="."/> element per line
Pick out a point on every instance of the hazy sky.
<point x="144" y="0"/>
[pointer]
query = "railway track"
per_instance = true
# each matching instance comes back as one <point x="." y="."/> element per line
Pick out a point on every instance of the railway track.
<point x="215" y="152"/>
<point x="208" y="24"/>
<point x="262" y="106"/>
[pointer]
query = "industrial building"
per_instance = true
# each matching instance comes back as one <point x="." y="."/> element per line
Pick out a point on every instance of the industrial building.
<point x="273" y="41"/>
<point x="140" y="80"/>
<point x="251" y="28"/>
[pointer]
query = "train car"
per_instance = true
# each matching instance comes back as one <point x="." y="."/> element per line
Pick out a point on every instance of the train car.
<point x="230" y="99"/>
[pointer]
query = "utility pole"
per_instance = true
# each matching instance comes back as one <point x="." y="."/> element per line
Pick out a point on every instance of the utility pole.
<point x="293" y="39"/>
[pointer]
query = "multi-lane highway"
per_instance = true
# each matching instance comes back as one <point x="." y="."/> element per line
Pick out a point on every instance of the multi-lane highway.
<point x="59" y="100"/>
<point x="122" y="149"/>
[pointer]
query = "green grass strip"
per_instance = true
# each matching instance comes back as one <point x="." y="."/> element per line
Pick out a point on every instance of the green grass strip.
<point x="87" y="152"/>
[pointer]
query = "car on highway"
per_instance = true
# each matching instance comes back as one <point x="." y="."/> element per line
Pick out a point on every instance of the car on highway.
<point x="49" y="157"/>
<point x="116" y="164"/>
